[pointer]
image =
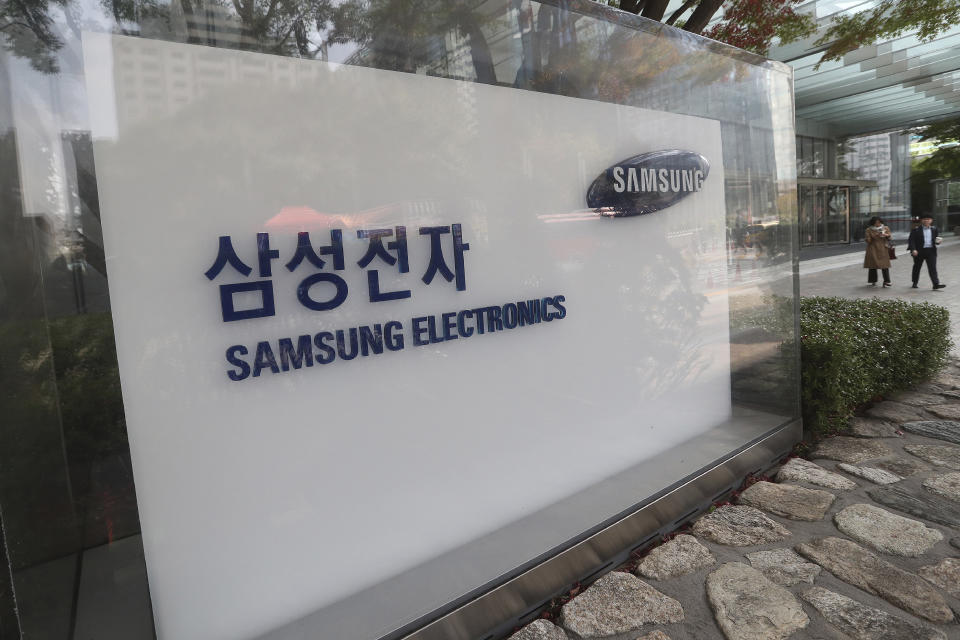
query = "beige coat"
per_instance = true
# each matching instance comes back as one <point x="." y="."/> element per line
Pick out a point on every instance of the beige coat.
<point x="877" y="256"/>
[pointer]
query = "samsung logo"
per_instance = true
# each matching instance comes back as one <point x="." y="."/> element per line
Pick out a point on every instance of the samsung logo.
<point x="675" y="180"/>
<point x="648" y="182"/>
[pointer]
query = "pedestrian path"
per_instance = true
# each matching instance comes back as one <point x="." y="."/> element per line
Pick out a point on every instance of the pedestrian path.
<point x="855" y="258"/>
<point x="844" y="276"/>
<point x="862" y="541"/>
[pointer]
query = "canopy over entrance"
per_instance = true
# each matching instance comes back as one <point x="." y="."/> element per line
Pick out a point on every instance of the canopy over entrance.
<point x="899" y="83"/>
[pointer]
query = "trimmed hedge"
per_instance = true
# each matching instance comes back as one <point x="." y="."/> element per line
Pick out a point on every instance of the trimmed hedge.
<point x="853" y="351"/>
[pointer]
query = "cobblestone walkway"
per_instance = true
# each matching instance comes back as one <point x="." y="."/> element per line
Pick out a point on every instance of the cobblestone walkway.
<point x="862" y="542"/>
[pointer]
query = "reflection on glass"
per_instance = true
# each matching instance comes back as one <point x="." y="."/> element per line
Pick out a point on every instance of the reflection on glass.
<point x="837" y="214"/>
<point x="807" y="217"/>
<point x="820" y="214"/>
<point x="806" y="145"/>
<point x="819" y="157"/>
<point x="66" y="486"/>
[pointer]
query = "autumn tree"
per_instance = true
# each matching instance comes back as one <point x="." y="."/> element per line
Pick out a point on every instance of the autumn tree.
<point x="755" y="24"/>
<point x="305" y="28"/>
<point x="747" y="24"/>
<point x="888" y="19"/>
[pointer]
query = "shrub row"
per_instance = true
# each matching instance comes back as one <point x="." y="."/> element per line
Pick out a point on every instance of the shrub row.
<point x="853" y="351"/>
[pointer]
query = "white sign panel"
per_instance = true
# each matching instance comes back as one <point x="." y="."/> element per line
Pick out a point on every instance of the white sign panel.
<point x="365" y="317"/>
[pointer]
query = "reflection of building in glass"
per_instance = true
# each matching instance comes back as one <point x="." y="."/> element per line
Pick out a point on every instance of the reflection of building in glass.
<point x="165" y="79"/>
<point x="536" y="46"/>
<point x="884" y="158"/>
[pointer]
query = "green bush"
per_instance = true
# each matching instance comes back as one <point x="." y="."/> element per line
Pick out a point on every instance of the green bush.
<point x="853" y="351"/>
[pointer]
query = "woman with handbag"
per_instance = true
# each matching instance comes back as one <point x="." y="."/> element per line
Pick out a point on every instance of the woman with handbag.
<point x="879" y="251"/>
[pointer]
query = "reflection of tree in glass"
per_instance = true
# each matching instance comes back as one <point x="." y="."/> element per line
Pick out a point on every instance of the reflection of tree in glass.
<point x="28" y="32"/>
<point x="285" y="27"/>
<point x="663" y="302"/>
<point x="404" y="36"/>
<point x="391" y="34"/>
<point x="586" y="60"/>
<point x="549" y="40"/>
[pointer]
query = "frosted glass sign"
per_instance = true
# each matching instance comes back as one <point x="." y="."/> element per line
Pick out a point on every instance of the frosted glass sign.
<point x="350" y="303"/>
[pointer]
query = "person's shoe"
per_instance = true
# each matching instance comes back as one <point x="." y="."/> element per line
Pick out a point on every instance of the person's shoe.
<point x="872" y="284"/>
<point x="938" y="286"/>
<point x="913" y="286"/>
<point x="887" y="284"/>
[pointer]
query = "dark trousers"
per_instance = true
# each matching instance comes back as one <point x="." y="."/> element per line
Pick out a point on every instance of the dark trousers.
<point x="872" y="275"/>
<point x="930" y="256"/>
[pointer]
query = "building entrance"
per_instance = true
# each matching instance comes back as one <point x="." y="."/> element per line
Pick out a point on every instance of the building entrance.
<point x="824" y="214"/>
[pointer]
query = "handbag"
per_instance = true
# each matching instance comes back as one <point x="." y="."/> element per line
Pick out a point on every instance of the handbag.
<point x="891" y="251"/>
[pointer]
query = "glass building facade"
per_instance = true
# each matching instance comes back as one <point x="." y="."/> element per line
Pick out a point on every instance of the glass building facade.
<point x="946" y="204"/>
<point x="841" y="185"/>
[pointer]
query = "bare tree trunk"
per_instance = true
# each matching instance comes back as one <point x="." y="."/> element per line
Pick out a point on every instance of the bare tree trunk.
<point x="701" y="15"/>
<point x="679" y="12"/>
<point x="632" y="6"/>
<point x="654" y="9"/>
<point x="190" y="19"/>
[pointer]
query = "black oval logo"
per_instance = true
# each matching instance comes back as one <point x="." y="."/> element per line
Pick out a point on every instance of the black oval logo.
<point x="648" y="182"/>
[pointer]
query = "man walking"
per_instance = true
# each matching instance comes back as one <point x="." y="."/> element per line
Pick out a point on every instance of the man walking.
<point x="923" y="247"/>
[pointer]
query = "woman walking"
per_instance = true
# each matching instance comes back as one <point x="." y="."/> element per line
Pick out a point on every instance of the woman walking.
<point x="878" y="256"/>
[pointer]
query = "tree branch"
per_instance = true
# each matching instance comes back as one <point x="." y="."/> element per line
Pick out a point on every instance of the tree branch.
<point x="268" y="16"/>
<point x="679" y="12"/>
<point x="293" y="25"/>
<point x="701" y="16"/>
<point x="632" y="6"/>
<point x="14" y="23"/>
<point x="654" y="9"/>
<point x="39" y="25"/>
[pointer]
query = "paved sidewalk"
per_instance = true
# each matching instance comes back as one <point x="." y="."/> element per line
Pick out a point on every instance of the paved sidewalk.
<point x="861" y="542"/>
<point x="845" y="277"/>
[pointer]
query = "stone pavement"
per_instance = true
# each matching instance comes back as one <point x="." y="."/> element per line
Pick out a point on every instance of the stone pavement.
<point x="862" y="541"/>
<point x="844" y="276"/>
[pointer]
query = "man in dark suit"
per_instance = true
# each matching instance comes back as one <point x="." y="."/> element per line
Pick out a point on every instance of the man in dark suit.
<point x="923" y="247"/>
